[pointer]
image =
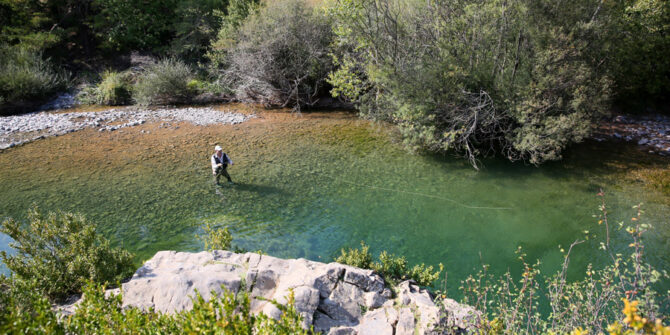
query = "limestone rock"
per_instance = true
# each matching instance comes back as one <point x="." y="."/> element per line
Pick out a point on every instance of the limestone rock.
<point x="334" y="298"/>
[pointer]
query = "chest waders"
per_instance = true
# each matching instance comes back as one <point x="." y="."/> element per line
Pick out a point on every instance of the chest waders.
<point x="221" y="171"/>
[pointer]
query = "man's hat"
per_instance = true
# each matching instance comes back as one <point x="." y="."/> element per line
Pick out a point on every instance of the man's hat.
<point x="217" y="148"/>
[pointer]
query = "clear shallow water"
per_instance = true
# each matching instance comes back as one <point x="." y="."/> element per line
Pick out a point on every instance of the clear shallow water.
<point x="309" y="185"/>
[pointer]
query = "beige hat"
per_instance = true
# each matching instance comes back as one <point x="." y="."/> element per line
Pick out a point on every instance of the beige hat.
<point x="217" y="148"/>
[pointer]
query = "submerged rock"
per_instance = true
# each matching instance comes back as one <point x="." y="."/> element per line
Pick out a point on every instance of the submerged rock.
<point x="334" y="298"/>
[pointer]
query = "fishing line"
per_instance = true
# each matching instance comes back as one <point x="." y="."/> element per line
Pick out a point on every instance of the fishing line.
<point x="422" y="195"/>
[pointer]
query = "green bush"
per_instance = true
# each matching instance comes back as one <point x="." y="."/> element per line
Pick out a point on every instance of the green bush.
<point x="511" y="305"/>
<point x="236" y="12"/>
<point x="99" y="313"/>
<point x="197" y="24"/>
<point x="217" y="238"/>
<point x="25" y="310"/>
<point x="279" y="56"/>
<point x="519" y="78"/>
<point x="61" y="251"/>
<point x="113" y="89"/>
<point x="360" y="258"/>
<point x="393" y="269"/>
<point x="26" y="76"/>
<point x="164" y="83"/>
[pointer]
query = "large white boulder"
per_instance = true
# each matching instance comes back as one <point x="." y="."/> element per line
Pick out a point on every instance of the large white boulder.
<point x="334" y="298"/>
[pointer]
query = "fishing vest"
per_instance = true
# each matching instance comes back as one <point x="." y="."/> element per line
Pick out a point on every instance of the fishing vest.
<point x="223" y="160"/>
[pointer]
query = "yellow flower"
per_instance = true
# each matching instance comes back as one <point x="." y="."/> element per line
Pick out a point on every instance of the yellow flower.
<point x="615" y="329"/>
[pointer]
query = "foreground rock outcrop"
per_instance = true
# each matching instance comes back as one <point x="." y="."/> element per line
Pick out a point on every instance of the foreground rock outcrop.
<point x="334" y="298"/>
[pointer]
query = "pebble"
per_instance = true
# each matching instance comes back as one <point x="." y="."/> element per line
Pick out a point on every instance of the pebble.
<point x="650" y="132"/>
<point x="62" y="123"/>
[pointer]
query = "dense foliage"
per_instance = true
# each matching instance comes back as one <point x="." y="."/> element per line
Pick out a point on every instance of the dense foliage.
<point x="114" y="88"/>
<point x="25" y="76"/>
<point x="57" y="253"/>
<point x="166" y="82"/>
<point x="393" y="269"/>
<point x="515" y="77"/>
<point x="522" y="79"/>
<point x="280" y="56"/>
<point x="592" y="304"/>
<point x="99" y="313"/>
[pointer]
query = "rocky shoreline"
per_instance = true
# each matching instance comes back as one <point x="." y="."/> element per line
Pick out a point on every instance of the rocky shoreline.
<point x="652" y="133"/>
<point x="334" y="298"/>
<point x="19" y="129"/>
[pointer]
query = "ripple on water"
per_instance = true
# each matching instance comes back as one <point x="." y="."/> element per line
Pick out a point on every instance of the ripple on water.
<point x="309" y="184"/>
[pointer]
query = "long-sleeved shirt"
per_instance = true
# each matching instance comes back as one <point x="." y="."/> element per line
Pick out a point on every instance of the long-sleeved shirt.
<point x="222" y="159"/>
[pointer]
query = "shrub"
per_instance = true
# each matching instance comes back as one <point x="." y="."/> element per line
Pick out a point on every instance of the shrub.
<point x="236" y="12"/>
<point x="26" y="311"/>
<point x="164" y="83"/>
<point x="280" y="57"/>
<point x="25" y="76"/>
<point x="360" y="258"/>
<point x="61" y="251"/>
<point x="392" y="268"/>
<point x="519" y="78"/>
<point x="591" y="304"/>
<point x="114" y="88"/>
<point x="217" y="238"/>
<point x="101" y="313"/>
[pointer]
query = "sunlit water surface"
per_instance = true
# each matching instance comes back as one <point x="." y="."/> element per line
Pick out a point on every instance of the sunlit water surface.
<point x="308" y="185"/>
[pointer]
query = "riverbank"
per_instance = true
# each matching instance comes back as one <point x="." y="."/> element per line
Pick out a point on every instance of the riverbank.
<point x="310" y="184"/>
<point x="19" y="129"/>
<point x="651" y="133"/>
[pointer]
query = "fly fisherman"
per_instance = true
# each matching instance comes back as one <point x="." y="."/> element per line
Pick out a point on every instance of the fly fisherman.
<point x="220" y="162"/>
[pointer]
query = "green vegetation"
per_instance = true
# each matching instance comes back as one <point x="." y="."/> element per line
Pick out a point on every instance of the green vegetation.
<point x="97" y="313"/>
<point x="26" y="76"/>
<point x="217" y="238"/>
<point x="236" y="12"/>
<point x="522" y="79"/>
<point x="60" y="254"/>
<point x="57" y="253"/>
<point x="114" y="89"/>
<point x="166" y="82"/>
<point x="280" y="57"/>
<point x="478" y="78"/>
<point x="393" y="269"/>
<point x="509" y="305"/>
<point x="512" y="306"/>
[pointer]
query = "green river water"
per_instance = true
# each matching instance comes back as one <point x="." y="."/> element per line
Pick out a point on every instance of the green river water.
<point x="308" y="185"/>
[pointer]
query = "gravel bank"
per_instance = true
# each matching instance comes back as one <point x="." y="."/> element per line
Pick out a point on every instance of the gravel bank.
<point x="20" y="129"/>
<point x="651" y="132"/>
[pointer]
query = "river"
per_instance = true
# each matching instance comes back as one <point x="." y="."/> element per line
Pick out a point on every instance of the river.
<point x="310" y="184"/>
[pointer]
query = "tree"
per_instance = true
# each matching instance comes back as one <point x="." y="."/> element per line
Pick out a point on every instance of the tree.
<point x="516" y="78"/>
<point x="280" y="56"/>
